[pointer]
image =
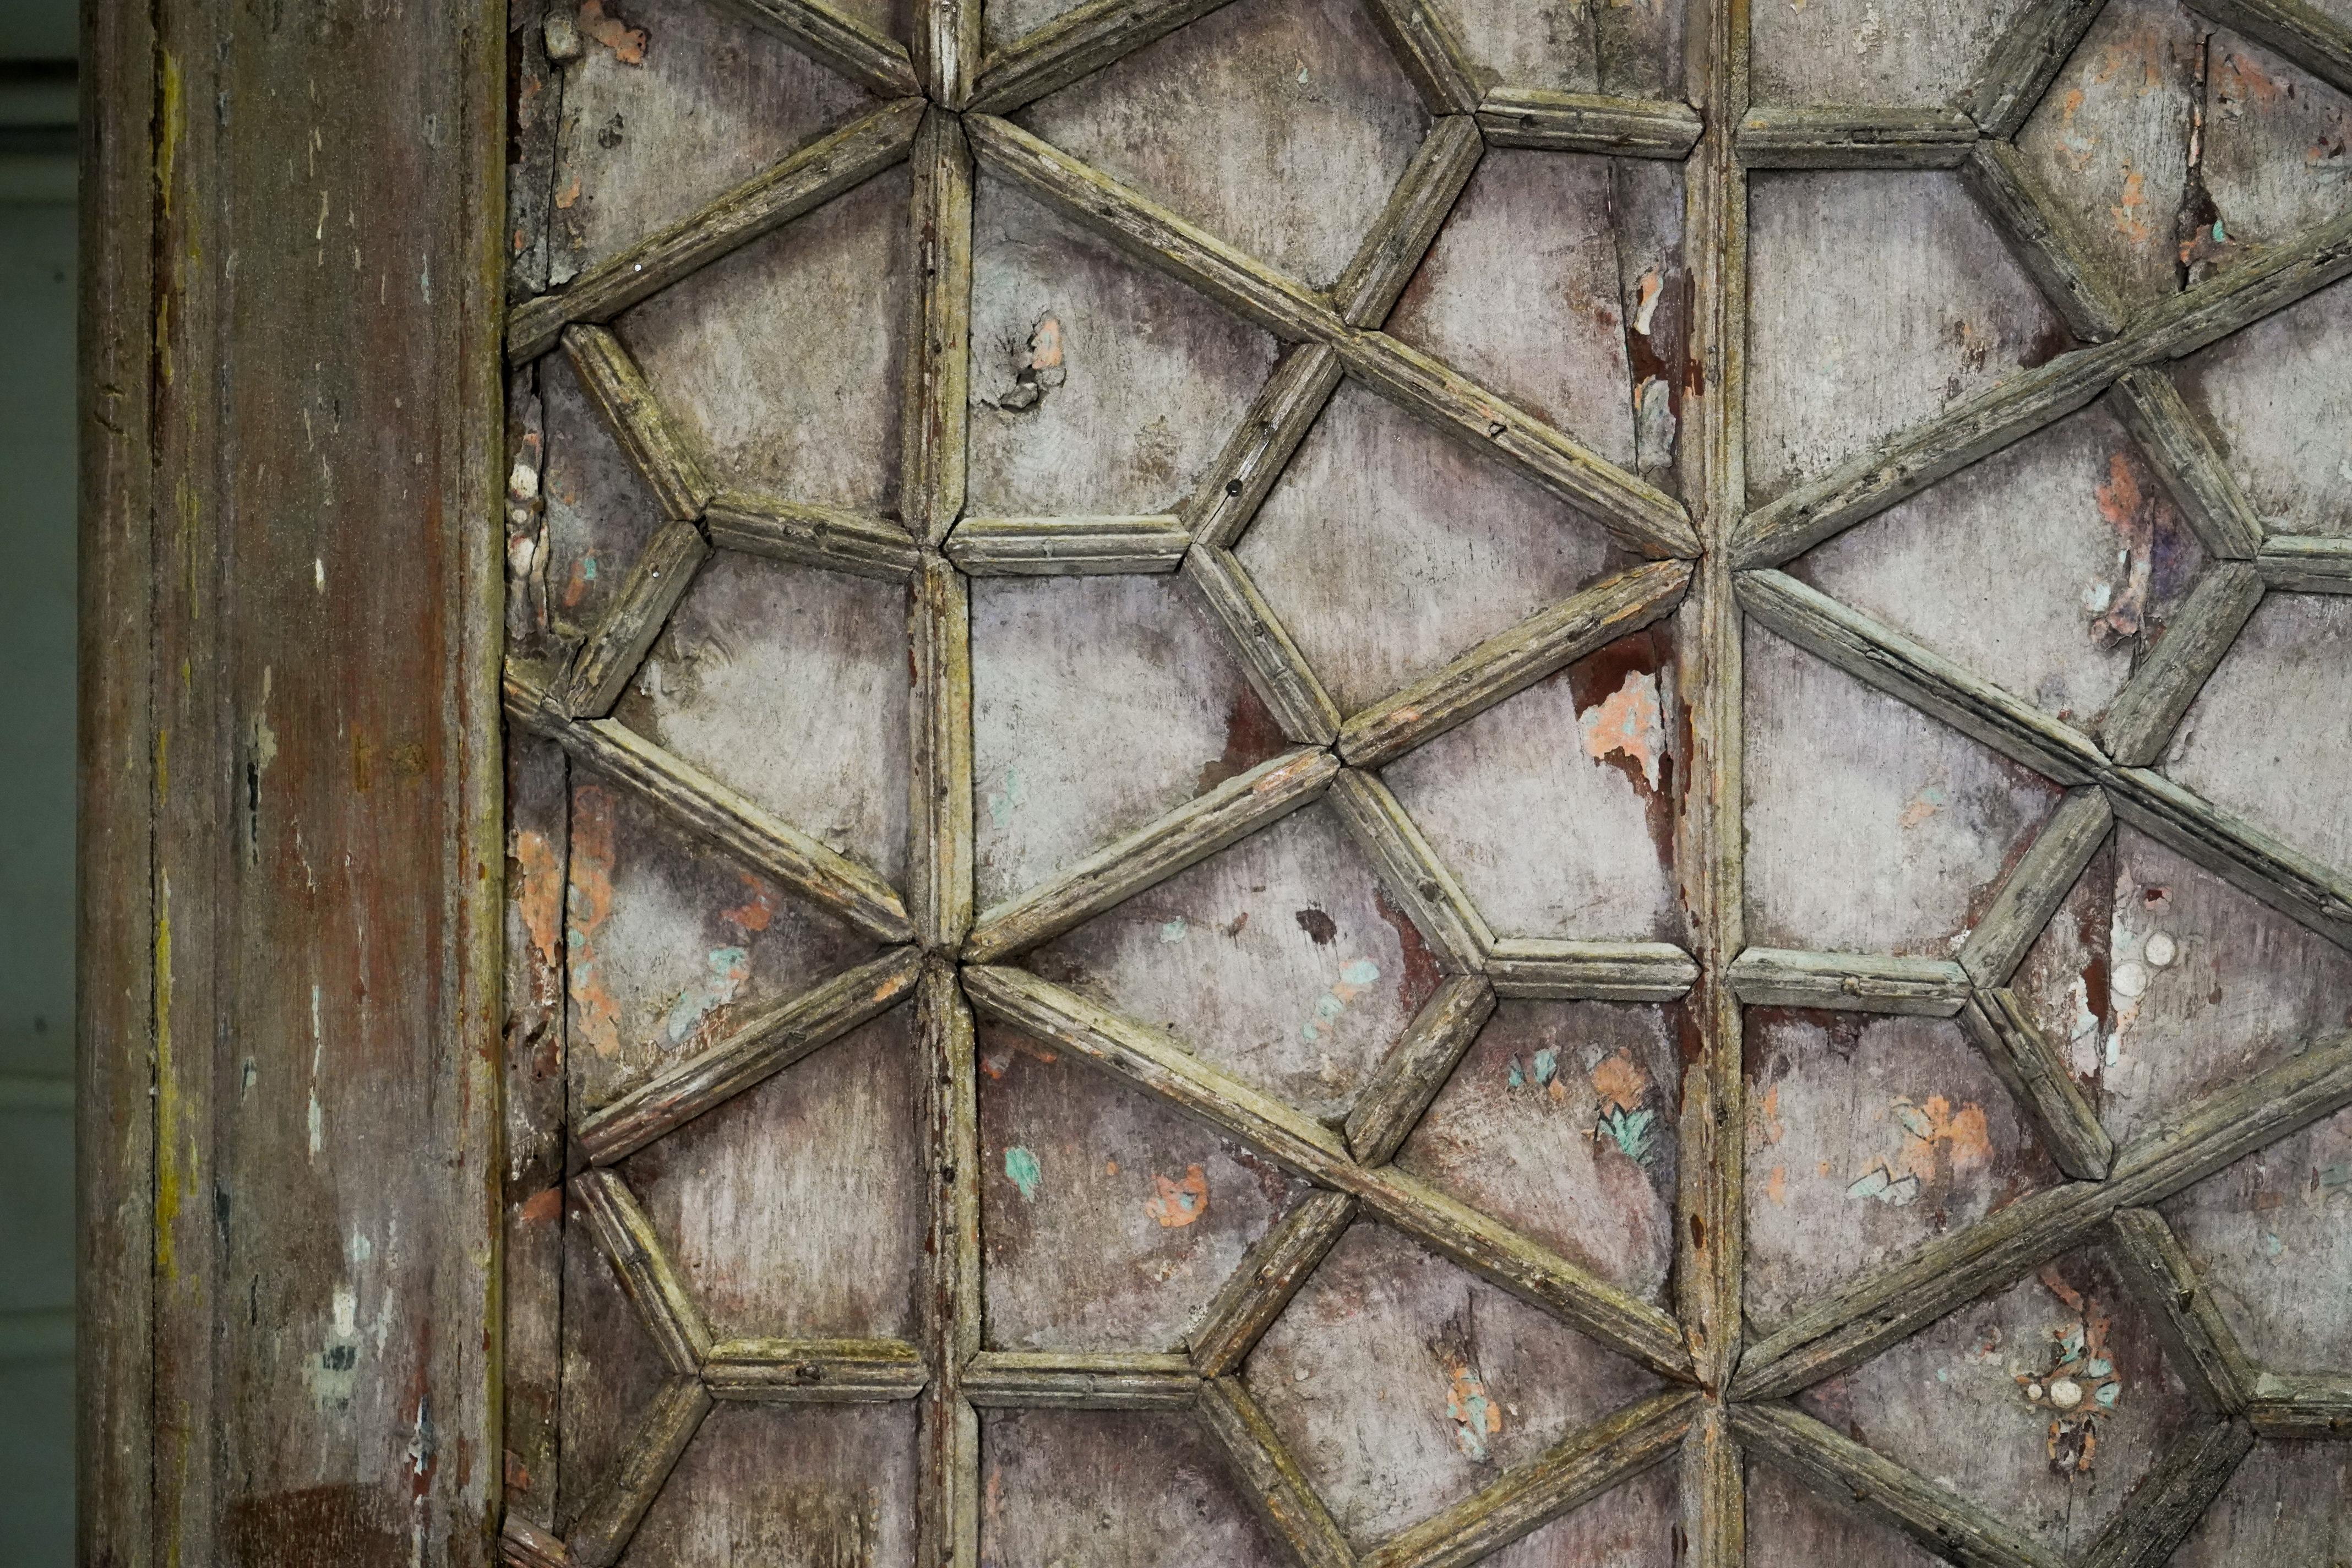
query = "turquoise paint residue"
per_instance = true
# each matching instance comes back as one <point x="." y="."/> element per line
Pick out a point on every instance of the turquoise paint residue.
<point x="1363" y="972"/>
<point x="1022" y="1166"/>
<point x="1547" y="1065"/>
<point x="725" y="968"/>
<point x="1518" y="1077"/>
<point x="1634" y="1133"/>
<point x="1003" y="802"/>
<point x="1174" y="931"/>
<point x="588" y="567"/>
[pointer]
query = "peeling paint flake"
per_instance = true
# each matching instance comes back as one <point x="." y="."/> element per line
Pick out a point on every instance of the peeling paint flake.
<point x="1179" y="1203"/>
<point x="628" y="44"/>
<point x="1628" y="721"/>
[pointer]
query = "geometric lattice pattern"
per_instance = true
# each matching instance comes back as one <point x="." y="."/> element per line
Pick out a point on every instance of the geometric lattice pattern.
<point x="1589" y="1372"/>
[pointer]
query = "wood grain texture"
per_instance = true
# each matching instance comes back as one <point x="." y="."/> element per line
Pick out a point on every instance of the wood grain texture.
<point x="2170" y="1501"/>
<point x="1254" y="456"/>
<point x="1417" y="1066"/>
<point x="946" y="52"/>
<point x="1830" y="136"/>
<point x="667" y="462"/>
<point x="2181" y="447"/>
<point x="2241" y="853"/>
<point x="2036" y="886"/>
<point x="1557" y="122"/>
<point x="932" y="433"/>
<point x="646" y="1272"/>
<point x="2307" y="565"/>
<point x="1067" y="546"/>
<point x="602" y="1533"/>
<point x="1269" y="1276"/>
<point x="1068" y="1380"/>
<point x="2041" y="235"/>
<point x="1077" y="43"/>
<point x="829" y="538"/>
<point x="2197" y="1338"/>
<point x="1416" y="880"/>
<point x="800" y="183"/>
<point x="940" y="849"/>
<point x="759" y="1044"/>
<point x="1715" y="1491"/>
<point x="607" y="659"/>
<point x="1571" y="1472"/>
<point x="1401" y="235"/>
<point x="1942" y="1521"/>
<point x="874" y="61"/>
<point x="1277" y="671"/>
<point x="1545" y="969"/>
<point x="1859" y="981"/>
<point x="2301" y="1405"/>
<point x="947" y="1483"/>
<point x="2027" y="60"/>
<point x="1430" y="49"/>
<point x="2314" y="36"/>
<point x="1277" y="1491"/>
<point x="2202" y="630"/>
<point x="1511" y="662"/>
<point x="1927" y="681"/>
<point x="2037" y="1076"/>
<point x="522" y="1544"/>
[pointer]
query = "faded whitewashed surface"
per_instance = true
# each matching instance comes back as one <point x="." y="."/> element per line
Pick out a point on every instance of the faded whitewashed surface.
<point x="1693" y="780"/>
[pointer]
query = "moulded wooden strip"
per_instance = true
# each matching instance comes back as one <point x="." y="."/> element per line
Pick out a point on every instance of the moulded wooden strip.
<point x="608" y="658"/>
<point x="1942" y="1521"/>
<point x="1855" y="1323"/>
<point x="815" y="1371"/>
<point x="1153" y="853"/>
<point x="2301" y="565"/>
<point x="1417" y="1066"/>
<point x="1510" y="661"/>
<point x="2038" y="884"/>
<point x="1077" y="43"/>
<point x="1588" y="122"/>
<point x="1277" y="671"/>
<point x="709" y="810"/>
<point x="759" y="1045"/>
<point x="1854" y="982"/>
<point x="652" y="1281"/>
<point x="602" y="1533"/>
<point x="807" y="535"/>
<point x="1542" y="1278"/>
<point x="1883" y="657"/>
<point x="947" y="1522"/>
<point x="2027" y="60"/>
<point x="806" y="179"/>
<point x="522" y="1544"/>
<point x="1715" y="1492"/>
<point x="1067" y="546"/>
<point x="1546" y="969"/>
<point x="2150" y="706"/>
<point x="1523" y="1499"/>
<point x="2237" y="851"/>
<point x="1246" y="1305"/>
<point x="1892" y="471"/>
<point x="1237" y="483"/>
<point x="1840" y="136"/>
<point x="1431" y="51"/>
<point x="671" y="468"/>
<point x="951" y="1299"/>
<point x="2170" y="1501"/>
<point x="940" y="850"/>
<point x="2041" y="237"/>
<point x="877" y="63"/>
<point x="2198" y="1341"/>
<point x="1401" y="234"/>
<point x="1076" y="1380"/>
<point x="1278" y="1490"/>
<point x="2181" y="325"/>
<point x="1642" y="517"/>
<point x="931" y="435"/>
<point x="2301" y="1405"/>
<point x="1151" y="1060"/>
<point x="2303" y="33"/>
<point x="947" y="50"/>
<point x="2036" y="1074"/>
<point x="2185" y="456"/>
<point x="1410" y="870"/>
<point x="1151" y="234"/>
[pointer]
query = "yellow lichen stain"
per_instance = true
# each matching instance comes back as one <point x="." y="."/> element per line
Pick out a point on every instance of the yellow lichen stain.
<point x="1180" y="1203"/>
<point x="2130" y="213"/>
<point x="627" y="43"/>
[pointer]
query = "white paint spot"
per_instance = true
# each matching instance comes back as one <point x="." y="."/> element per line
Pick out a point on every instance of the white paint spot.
<point x="2131" y="978"/>
<point x="319" y="572"/>
<point x="318" y="1053"/>
<point x="2160" y="950"/>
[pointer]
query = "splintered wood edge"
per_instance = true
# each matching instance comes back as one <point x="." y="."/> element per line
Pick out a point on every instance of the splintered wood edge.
<point x="1573" y="1471"/>
<point x="1854" y="982"/>
<point x="2301" y="1405"/>
<point x="522" y="1544"/>
<point x="947" y="50"/>
<point x="815" y="1371"/>
<point x="936" y="392"/>
<point x="2197" y="1338"/>
<point x="1277" y="1491"/>
<point x="805" y="179"/>
<point x="2036" y="886"/>
<point x="2306" y="565"/>
<point x="1836" y="136"/>
<point x="1078" y="42"/>
<point x="2042" y="239"/>
<point x="1441" y="165"/>
<point x="761" y="1043"/>
<point x="951" y="1303"/>
<point x="1856" y="1322"/>
<point x="1067" y="546"/>
<point x="1269" y="1276"/>
<point x="1552" y="121"/>
<point x="2149" y="709"/>
<point x="669" y="1422"/>
<point x="626" y="1235"/>
<point x="1153" y="853"/>
<point x="2186" y="457"/>
<point x="2027" y="59"/>
<point x="2038" y="1078"/>
<point x="1417" y="1066"/>
<point x="1854" y="1476"/>
<point x="2171" y="1497"/>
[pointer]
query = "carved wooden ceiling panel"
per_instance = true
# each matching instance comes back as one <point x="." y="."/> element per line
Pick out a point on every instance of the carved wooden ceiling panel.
<point x="1394" y="782"/>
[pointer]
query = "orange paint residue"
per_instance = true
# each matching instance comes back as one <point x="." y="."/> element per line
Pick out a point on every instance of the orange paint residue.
<point x="589" y="904"/>
<point x="539" y="899"/>
<point x="1179" y="1203"/>
<point x="627" y="43"/>
<point x="2131" y="214"/>
<point x="1621" y="1082"/>
<point x="1628" y="721"/>
<point x="1776" y="1187"/>
<point x="1932" y="1131"/>
<point x="755" y="913"/>
<point x="2131" y="510"/>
